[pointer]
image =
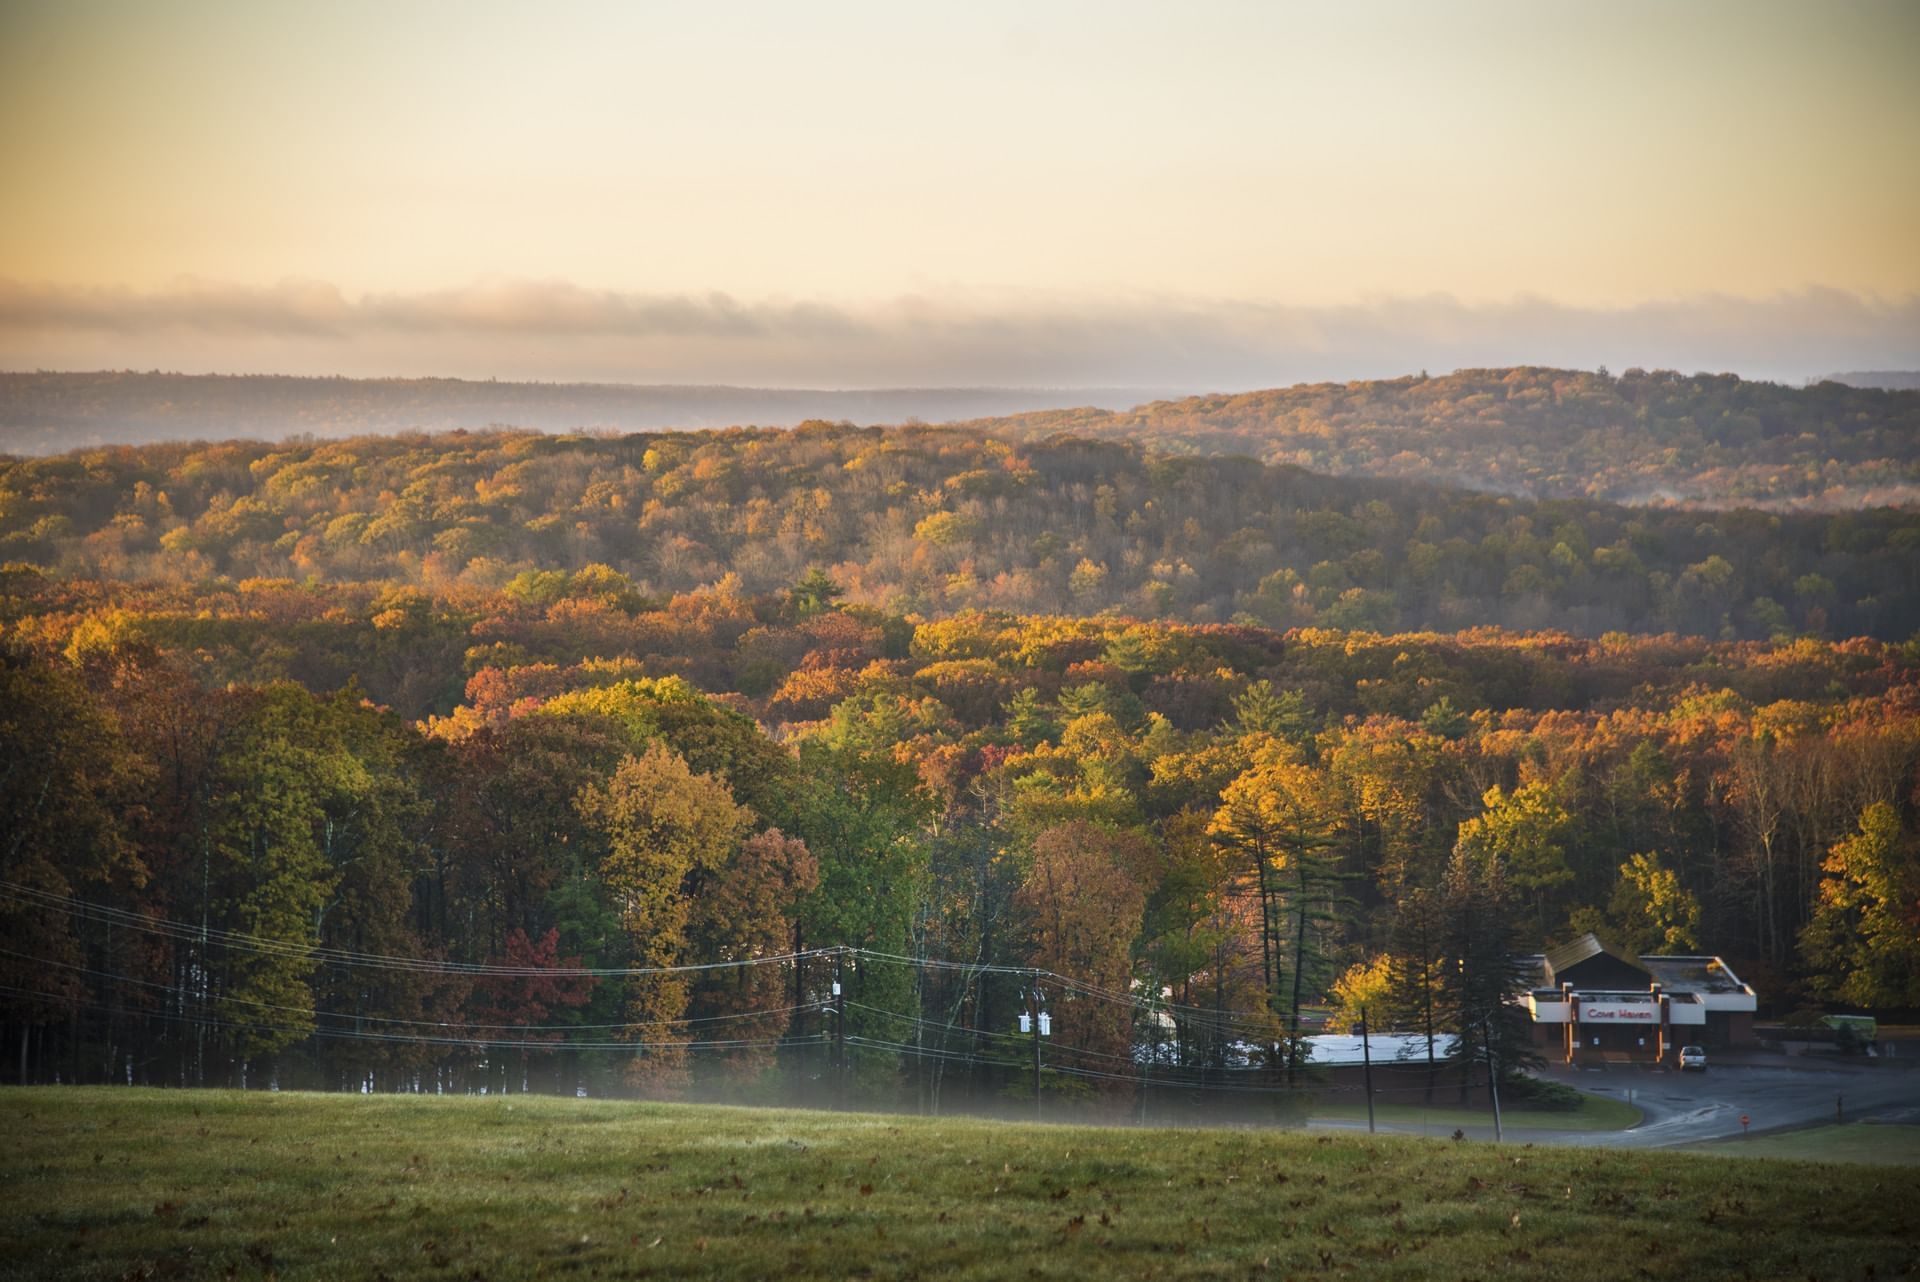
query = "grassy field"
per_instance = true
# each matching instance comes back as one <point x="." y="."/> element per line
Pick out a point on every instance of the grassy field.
<point x="113" y="1183"/>
<point x="1878" y="1143"/>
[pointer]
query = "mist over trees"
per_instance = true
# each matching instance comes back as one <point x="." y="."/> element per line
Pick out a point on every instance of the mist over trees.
<point x="50" y="412"/>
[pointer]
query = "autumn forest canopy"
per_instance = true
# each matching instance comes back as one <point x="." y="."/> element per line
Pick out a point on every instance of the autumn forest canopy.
<point x="1245" y="706"/>
<point x="930" y="521"/>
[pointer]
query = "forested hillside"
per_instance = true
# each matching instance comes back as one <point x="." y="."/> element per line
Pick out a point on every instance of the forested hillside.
<point x="399" y="755"/>
<point x="1903" y="380"/>
<point x="212" y="862"/>
<point x="934" y="521"/>
<point x="1661" y="437"/>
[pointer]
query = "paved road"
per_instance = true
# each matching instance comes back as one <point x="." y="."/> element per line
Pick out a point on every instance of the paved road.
<point x="1777" y="1092"/>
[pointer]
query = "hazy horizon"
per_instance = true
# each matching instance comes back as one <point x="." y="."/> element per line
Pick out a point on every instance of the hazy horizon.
<point x="556" y="332"/>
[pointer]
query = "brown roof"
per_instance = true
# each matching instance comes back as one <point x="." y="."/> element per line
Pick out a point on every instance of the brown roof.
<point x="1585" y="948"/>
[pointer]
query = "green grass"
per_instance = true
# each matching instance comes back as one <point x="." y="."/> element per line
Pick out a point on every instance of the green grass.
<point x="111" y="1183"/>
<point x="1596" y="1113"/>
<point x="1872" y="1142"/>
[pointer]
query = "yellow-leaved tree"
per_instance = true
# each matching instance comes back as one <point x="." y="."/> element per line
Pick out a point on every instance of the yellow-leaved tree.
<point x="1279" y="817"/>
<point x="1863" y="944"/>
<point x="664" y="826"/>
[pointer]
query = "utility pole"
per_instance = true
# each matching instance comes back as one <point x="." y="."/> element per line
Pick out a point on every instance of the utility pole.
<point x="1033" y="1016"/>
<point x="839" y="1031"/>
<point x="1366" y="1067"/>
<point x="923" y="1084"/>
<point x="1153" y="1048"/>
<point x="1493" y="1076"/>
<point x="202" y="978"/>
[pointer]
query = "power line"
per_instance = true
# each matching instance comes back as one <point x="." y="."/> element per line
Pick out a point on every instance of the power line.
<point x="456" y="1024"/>
<point x="1015" y="1041"/>
<point x="267" y="946"/>
<point x="1181" y="1078"/>
<point x="1229" y="1025"/>
<point x="209" y="1020"/>
<point x="1206" y="1018"/>
<point x="1165" y="1083"/>
<point x="1066" y="982"/>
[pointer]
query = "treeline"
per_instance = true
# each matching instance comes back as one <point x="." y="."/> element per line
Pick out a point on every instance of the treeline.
<point x="938" y="521"/>
<point x="211" y="872"/>
<point x="1661" y="437"/>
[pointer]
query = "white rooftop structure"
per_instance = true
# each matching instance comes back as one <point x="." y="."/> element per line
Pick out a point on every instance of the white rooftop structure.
<point x="1337" y="1050"/>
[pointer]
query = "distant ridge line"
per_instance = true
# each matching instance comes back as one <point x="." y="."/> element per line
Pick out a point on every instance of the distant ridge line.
<point x="1887" y="380"/>
<point x="44" y="412"/>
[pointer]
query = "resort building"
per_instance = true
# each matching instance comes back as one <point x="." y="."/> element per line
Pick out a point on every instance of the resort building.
<point x="1591" y="1000"/>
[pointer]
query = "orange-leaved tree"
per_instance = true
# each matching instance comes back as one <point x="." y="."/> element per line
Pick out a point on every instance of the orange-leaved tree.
<point x="1081" y="901"/>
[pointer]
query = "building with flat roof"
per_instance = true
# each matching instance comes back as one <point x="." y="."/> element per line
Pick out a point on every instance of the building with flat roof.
<point x="1590" y="999"/>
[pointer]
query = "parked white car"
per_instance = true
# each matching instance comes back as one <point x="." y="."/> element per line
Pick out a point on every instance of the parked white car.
<point x="1693" y="1059"/>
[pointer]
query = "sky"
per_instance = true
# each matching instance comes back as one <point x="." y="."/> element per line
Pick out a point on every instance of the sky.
<point x="841" y="194"/>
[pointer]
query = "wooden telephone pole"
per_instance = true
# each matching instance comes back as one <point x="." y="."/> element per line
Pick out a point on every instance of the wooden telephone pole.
<point x="841" y="1074"/>
<point x="1033" y="1018"/>
<point x="1366" y="1067"/>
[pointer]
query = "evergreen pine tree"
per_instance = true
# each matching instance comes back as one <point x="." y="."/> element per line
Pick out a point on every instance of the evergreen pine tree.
<point x="1480" y="971"/>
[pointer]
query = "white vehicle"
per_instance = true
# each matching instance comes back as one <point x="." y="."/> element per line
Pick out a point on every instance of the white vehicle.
<point x="1693" y="1059"/>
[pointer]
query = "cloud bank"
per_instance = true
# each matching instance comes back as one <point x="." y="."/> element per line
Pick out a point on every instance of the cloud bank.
<point x="545" y="329"/>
